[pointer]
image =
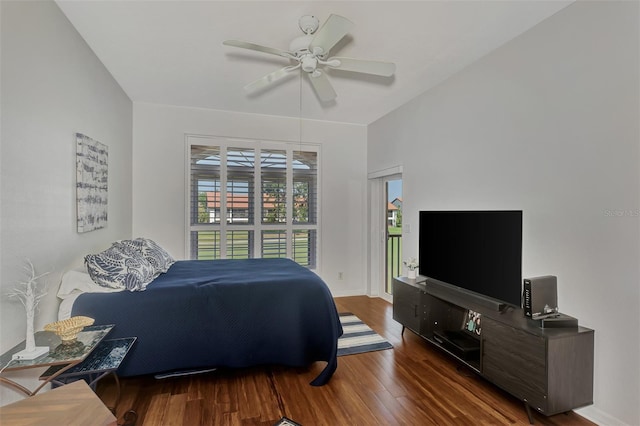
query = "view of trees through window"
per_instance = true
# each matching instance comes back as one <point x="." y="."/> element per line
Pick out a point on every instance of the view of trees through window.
<point x="394" y="231"/>
<point x="226" y="213"/>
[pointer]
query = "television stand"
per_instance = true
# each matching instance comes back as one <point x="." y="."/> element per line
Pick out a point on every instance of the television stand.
<point x="462" y="296"/>
<point x="460" y="343"/>
<point x="558" y="376"/>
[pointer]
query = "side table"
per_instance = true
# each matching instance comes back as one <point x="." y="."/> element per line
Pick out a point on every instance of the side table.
<point x="64" y="354"/>
<point x="102" y="361"/>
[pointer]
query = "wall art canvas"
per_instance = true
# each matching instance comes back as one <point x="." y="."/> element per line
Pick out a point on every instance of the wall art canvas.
<point x="91" y="183"/>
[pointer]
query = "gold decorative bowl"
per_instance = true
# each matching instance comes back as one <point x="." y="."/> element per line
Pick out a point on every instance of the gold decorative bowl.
<point x="68" y="329"/>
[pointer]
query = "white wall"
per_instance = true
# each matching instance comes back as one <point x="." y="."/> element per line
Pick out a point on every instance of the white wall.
<point x="159" y="180"/>
<point x="52" y="87"/>
<point x="548" y="123"/>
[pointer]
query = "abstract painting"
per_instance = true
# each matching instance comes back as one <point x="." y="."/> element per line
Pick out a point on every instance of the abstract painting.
<point x="91" y="183"/>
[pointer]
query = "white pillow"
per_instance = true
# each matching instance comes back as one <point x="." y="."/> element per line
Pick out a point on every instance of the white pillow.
<point x="73" y="284"/>
<point x="78" y="282"/>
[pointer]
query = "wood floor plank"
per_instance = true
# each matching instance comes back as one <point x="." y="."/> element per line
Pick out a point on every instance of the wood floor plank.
<point x="305" y="403"/>
<point x="401" y="416"/>
<point x="360" y="369"/>
<point x="157" y="410"/>
<point x="175" y="411"/>
<point x="194" y="412"/>
<point x="412" y="384"/>
<point x="248" y="395"/>
<point x="350" y="396"/>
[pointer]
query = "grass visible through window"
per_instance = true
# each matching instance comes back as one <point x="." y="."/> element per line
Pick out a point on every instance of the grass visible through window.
<point x="238" y="246"/>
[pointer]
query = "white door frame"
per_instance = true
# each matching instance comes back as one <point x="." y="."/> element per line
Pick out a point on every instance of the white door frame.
<point x="378" y="231"/>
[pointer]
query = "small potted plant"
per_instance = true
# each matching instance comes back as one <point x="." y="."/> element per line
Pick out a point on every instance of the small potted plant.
<point x="412" y="268"/>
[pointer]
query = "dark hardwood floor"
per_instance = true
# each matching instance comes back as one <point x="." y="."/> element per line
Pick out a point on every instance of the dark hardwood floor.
<point x="411" y="384"/>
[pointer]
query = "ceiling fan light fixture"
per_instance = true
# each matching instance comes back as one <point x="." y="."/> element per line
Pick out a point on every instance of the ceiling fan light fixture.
<point x="309" y="63"/>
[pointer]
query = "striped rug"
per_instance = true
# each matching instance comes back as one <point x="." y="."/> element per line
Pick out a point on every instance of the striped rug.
<point x="358" y="337"/>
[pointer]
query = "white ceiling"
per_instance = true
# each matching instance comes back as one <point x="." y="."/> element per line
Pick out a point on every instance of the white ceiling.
<point x="170" y="51"/>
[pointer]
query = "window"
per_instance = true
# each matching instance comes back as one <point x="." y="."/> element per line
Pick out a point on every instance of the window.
<point x="229" y="219"/>
<point x="273" y="165"/>
<point x="304" y="246"/>
<point x="305" y="183"/>
<point x="274" y="243"/>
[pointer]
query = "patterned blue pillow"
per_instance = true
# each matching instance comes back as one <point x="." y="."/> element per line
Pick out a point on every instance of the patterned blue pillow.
<point x="151" y="251"/>
<point x="119" y="267"/>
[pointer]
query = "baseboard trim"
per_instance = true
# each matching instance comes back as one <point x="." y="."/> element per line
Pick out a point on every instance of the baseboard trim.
<point x="599" y="417"/>
<point x="349" y="293"/>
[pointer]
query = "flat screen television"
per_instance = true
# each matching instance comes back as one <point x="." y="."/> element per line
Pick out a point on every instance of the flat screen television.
<point x="479" y="251"/>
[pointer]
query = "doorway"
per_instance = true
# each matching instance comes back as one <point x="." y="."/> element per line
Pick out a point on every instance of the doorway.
<point x="393" y="231"/>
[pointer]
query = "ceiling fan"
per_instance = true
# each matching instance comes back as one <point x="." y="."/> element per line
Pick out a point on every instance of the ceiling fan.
<point x="310" y="52"/>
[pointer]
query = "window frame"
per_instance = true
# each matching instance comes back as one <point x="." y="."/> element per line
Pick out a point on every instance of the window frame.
<point x="258" y="226"/>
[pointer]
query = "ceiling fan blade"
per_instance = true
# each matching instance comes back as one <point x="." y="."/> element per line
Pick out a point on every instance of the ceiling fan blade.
<point x="385" y="69"/>
<point x="268" y="79"/>
<point x="259" y="48"/>
<point x="331" y="32"/>
<point x="322" y="86"/>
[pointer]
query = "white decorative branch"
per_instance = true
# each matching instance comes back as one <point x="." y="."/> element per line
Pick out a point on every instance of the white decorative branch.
<point x="29" y="293"/>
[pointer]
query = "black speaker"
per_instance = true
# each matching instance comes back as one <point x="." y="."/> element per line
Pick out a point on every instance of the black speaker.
<point x="540" y="296"/>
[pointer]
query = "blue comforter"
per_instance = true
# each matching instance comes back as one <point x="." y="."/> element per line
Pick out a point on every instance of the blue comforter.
<point x="223" y="313"/>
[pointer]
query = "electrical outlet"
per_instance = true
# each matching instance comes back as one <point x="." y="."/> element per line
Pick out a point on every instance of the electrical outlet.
<point x="339" y="275"/>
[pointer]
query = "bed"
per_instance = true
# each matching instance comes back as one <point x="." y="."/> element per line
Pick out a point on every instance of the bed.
<point x="221" y="313"/>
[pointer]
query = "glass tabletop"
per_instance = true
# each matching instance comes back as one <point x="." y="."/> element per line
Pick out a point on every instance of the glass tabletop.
<point x="60" y="352"/>
<point x="106" y="357"/>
